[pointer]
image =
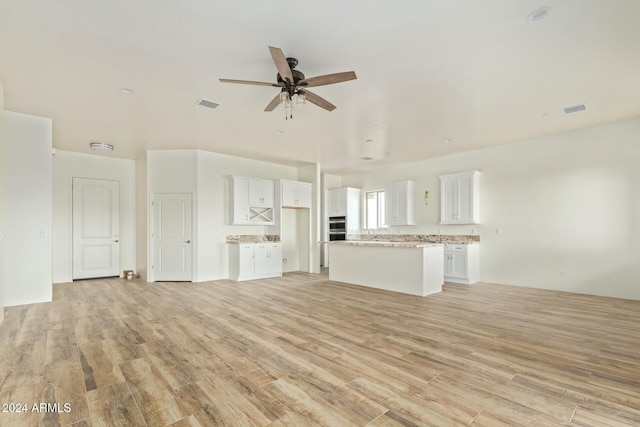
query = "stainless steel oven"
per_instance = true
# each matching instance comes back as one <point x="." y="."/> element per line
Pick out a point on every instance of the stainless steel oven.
<point x="337" y="228"/>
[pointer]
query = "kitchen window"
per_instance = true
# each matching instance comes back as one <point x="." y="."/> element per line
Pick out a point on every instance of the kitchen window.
<point x="374" y="209"/>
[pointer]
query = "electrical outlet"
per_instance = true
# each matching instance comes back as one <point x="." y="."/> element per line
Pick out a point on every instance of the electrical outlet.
<point x="563" y="273"/>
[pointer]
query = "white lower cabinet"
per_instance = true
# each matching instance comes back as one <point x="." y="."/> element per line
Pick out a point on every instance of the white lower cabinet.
<point x="462" y="263"/>
<point x="248" y="261"/>
<point x="268" y="260"/>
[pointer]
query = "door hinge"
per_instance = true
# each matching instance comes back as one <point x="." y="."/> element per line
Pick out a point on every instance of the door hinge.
<point x="152" y="266"/>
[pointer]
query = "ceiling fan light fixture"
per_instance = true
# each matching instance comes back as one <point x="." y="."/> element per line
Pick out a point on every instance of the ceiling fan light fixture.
<point x="301" y="99"/>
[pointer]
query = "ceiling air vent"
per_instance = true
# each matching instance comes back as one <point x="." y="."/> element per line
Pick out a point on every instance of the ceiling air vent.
<point x="575" y="109"/>
<point x="207" y="103"/>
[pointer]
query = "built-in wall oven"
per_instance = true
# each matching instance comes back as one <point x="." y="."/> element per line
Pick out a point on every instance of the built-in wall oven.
<point x="337" y="228"/>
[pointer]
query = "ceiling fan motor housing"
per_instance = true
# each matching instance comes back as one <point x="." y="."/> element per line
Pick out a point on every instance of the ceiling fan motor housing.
<point x="297" y="77"/>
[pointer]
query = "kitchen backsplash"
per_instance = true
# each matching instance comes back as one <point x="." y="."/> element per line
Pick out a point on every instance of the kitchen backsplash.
<point x="251" y="238"/>
<point x="431" y="238"/>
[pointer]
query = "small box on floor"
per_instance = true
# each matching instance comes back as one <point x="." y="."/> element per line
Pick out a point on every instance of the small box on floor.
<point x="129" y="274"/>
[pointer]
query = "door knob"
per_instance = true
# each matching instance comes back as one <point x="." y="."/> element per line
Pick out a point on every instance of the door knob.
<point x="187" y="241"/>
<point x="116" y="241"/>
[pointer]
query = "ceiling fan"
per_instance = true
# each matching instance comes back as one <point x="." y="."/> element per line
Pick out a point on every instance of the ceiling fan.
<point x="293" y="83"/>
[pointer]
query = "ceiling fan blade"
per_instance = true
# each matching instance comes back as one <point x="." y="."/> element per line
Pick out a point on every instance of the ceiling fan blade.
<point x="328" y="79"/>
<point x="249" y="82"/>
<point x="319" y="101"/>
<point x="281" y="63"/>
<point x="273" y="104"/>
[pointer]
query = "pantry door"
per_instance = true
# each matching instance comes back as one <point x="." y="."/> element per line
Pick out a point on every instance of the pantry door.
<point x="96" y="228"/>
<point x="172" y="237"/>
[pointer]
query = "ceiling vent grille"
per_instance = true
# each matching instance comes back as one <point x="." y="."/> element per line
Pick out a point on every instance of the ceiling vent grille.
<point x="575" y="109"/>
<point x="207" y="103"/>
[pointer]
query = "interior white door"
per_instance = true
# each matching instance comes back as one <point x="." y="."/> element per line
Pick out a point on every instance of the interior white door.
<point x="96" y="228"/>
<point x="172" y="237"/>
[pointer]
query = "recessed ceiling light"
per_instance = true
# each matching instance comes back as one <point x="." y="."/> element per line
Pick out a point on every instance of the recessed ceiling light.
<point x="126" y="91"/>
<point x="545" y="114"/>
<point x="280" y="131"/>
<point x="445" y="140"/>
<point x="367" y="158"/>
<point x="369" y="141"/>
<point x="101" y="146"/>
<point x="539" y="14"/>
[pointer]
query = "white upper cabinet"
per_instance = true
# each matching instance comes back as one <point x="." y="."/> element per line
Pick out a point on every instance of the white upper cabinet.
<point x="345" y="202"/>
<point x="460" y="198"/>
<point x="338" y="202"/>
<point x="261" y="193"/>
<point x="251" y="201"/>
<point x="399" y="203"/>
<point x="295" y="194"/>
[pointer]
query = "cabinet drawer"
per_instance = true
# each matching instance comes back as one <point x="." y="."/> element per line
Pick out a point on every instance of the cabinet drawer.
<point x="455" y="248"/>
<point x="246" y="247"/>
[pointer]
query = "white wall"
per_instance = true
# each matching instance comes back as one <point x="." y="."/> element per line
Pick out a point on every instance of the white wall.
<point x="311" y="173"/>
<point x="205" y="174"/>
<point x="26" y="169"/>
<point x="213" y="208"/>
<point x="66" y="166"/>
<point x="567" y="205"/>
<point x="1" y="213"/>
<point x="172" y="171"/>
<point x="142" y="215"/>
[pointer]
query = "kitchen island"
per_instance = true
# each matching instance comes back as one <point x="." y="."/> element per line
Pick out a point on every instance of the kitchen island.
<point x="415" y="268"/>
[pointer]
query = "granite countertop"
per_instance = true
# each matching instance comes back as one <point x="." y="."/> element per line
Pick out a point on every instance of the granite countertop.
<point x="385" y="243"/>
<point x="254" y="241"/>
<point x="250" y="238"/>
<point x="455" y="239"/>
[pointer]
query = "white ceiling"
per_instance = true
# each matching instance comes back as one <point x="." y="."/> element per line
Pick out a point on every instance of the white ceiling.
<point x="475" y="71"/>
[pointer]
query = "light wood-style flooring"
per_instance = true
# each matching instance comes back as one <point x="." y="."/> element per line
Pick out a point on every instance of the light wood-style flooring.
<point x="305" y="351"/>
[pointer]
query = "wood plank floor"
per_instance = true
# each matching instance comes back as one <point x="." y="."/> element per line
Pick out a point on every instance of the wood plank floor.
<point x="305" y="351"/>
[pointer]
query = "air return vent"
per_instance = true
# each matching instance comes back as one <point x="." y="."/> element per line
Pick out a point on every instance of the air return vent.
<point x="575" y="109"/>
<point x="207" y="103"/>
